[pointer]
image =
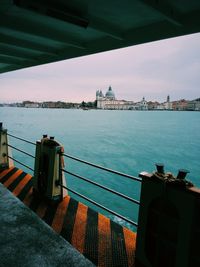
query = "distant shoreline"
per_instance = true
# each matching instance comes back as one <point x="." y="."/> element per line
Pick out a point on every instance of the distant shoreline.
<point x="89" y="109"/>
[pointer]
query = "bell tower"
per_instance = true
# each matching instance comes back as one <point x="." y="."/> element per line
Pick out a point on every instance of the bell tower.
<point x="99" y="98"/>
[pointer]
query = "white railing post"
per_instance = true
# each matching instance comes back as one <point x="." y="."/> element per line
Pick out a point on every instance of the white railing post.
<point x="5" y="161"/>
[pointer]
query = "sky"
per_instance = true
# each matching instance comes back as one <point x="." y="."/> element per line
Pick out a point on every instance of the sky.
<point x="153" y="70"/>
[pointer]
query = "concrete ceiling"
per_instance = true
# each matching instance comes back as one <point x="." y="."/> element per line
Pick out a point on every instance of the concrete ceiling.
<point x="34" y="32"/>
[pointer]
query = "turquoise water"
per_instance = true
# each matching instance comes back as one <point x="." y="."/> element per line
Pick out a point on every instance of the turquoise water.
<point x="126" y="141"/>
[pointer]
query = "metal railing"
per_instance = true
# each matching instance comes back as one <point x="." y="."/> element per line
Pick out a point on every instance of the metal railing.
<point x="21" y="163"/>
<point x="137" y="179"/>
<point x="103" y="168"/>
<point x="100" y="206"/>
<point x="103" y="187"/>
<point x="20" y="150"/>
<point x="22" y="139"/>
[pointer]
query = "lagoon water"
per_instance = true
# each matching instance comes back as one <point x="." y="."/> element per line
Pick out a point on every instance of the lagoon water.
<point x="126" y="141"/>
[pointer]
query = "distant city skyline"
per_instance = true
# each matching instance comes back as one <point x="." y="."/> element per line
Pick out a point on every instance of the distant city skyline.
<point x="154" y="70"/>
<point x="109" y="102"/>
<point x="93" y="100"/>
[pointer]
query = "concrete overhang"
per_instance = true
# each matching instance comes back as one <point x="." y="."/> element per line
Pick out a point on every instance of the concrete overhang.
<point x="34" y="32"/>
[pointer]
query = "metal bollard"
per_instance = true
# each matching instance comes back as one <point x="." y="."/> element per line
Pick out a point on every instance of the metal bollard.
<point x="160" y="167"/>
<point x="182" y="174"/>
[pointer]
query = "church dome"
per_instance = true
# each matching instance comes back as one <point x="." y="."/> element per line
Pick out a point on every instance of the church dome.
<point x="110" y="94"/>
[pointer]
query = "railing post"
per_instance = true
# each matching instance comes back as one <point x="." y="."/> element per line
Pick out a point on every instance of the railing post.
<point x="47" y="170"/>
<point x="5" y="162"/>
<point x="169" y="221"/>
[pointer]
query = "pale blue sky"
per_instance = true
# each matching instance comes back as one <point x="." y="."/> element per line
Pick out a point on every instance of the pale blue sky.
<point x="153" y="70"/>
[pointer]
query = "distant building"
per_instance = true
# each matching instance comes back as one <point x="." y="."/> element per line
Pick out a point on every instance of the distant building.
<point x="29" y="104"/>
<point x="153" y="105"/>
<point x="109" y="101"/>
<point x="180" y="105"/>
<point x="168" y="104"/>
<point x="143" y="105"/>
<point x="194" y="105"/>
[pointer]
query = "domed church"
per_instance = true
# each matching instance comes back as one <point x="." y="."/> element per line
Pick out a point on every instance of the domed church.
<point x="104" y="101"/>
<point x="110" y="102"/>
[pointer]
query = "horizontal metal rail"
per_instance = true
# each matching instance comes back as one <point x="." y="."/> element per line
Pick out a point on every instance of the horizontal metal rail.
<point x="100" y="206"/>
<point x="21" y="163"/>
<point x="22" y="139"/>
<point x="24" y="152"/>
<point x="85" y="179"/>
<point x="103" y="187"/>
<point x="103" y="168"/>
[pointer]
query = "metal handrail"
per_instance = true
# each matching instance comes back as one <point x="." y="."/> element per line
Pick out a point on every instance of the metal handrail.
<point x="103" y="168"/>
<point x="24" y="152"/>
<point x="99" y="205"/>
<point x="103" y="187"/>
<point x="85" y="179"/>
<point x="22" y="139"/>
<point x="21" y="163"/>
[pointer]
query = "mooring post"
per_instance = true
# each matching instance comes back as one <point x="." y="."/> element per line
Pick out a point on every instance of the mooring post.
<point x="48" y="173"/>
<point x="169" y="221"/>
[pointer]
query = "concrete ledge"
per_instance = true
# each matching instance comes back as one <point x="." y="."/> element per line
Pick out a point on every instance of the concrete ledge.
<point x="25" y="240"/>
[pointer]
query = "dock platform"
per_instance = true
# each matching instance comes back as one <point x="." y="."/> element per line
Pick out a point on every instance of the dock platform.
<point x="26" y="241"/>
<point x="102" y="241"/>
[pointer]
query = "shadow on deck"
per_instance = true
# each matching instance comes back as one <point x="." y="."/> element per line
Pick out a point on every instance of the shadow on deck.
<point x="101" y="240"/>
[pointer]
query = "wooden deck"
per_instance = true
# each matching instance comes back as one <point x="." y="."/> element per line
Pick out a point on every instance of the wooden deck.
<point x="101" y="240"/>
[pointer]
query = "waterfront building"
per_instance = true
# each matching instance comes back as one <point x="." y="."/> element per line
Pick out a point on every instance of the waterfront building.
<point x="160" y="106"/>
<point x="109" y="101"/>
<point x="168" y="104"/>
<point x="194" y="105"/>
<point x="143" y="105"/>
<point x="153" y="105"/>
<point x="30" y="104"/>
<point x="180" y="105"/>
